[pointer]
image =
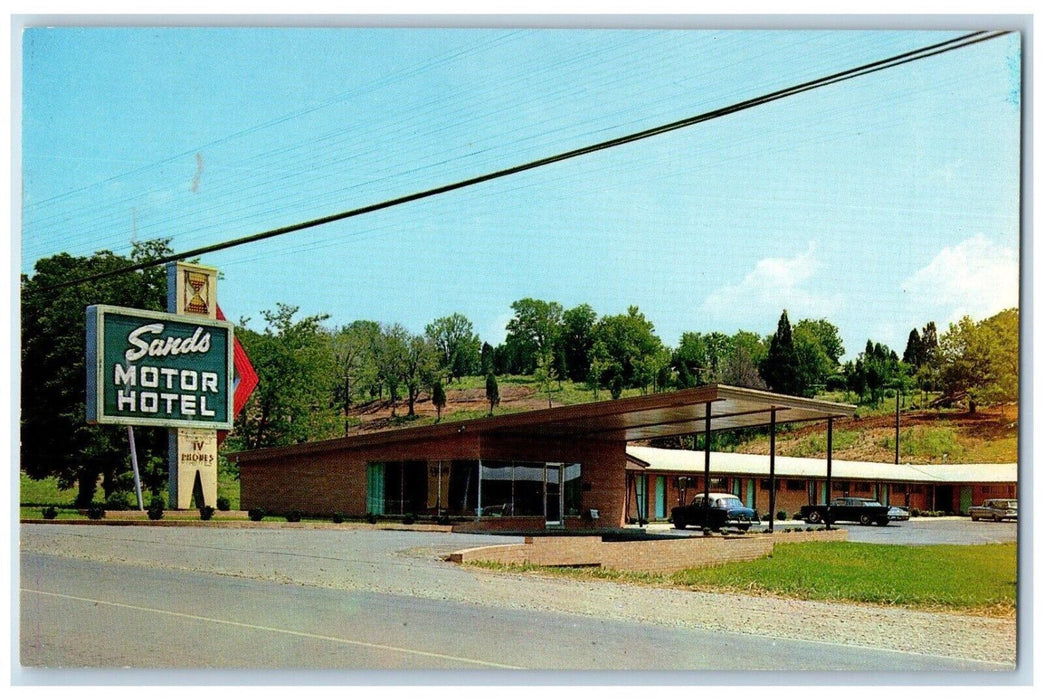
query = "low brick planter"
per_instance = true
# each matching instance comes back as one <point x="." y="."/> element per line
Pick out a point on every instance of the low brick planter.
<point x="651" y="556"/>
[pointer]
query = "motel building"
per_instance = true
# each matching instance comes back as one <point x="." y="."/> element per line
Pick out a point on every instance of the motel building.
<point x="575" y="467"/>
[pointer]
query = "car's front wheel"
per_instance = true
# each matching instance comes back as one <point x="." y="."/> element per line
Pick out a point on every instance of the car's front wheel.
<point x="679" y="523"/>
<point x="975" y="518"/>
<point x="864" y="519"/>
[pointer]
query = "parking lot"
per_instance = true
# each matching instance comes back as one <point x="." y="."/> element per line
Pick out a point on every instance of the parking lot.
<point x="916" y="531"/>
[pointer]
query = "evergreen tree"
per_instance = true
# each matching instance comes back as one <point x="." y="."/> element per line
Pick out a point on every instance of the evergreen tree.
<point x="780" y="367"/>
<point x="438" y="398"/>
<point x="492" y="391"/>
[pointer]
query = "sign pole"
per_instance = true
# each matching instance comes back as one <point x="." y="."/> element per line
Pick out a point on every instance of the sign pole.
<point x="134" y="463"/>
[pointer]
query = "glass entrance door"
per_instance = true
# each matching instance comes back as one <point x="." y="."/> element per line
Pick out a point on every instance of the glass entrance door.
<point x="553" y="494"/>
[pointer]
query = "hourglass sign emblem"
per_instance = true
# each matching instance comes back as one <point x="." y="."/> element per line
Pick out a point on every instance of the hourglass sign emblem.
<point x="197" y="293"/>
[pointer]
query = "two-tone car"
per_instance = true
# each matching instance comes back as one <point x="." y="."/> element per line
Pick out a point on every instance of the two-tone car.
<point x="996" y="509"/>
<point x="716" y="511"/>
<point x="857" y="510"/>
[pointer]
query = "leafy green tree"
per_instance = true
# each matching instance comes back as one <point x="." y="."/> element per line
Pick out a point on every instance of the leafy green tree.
<point x="419" y="368"/>
<point x="740" y="369"/>
<point x="457" y="345"/>
<point x="814" y="360"/>
<point x="914" y="353"/>
<point x="545" y="375"/>
<point x="390" y="354"/>
<point x="982" y="359"/>
<point x="492" y="392"/>
<point x="297" y="373"/>
<point x="825" y="334"/>
<point x="578" y="340"/>
<point x="621" y="342"/>
<point x="55" y="438"/>
<point x="438" y="399"/>
<point x="535" y="329"/>
<point x="780" y="369"/>
<point x="353" y="354"/>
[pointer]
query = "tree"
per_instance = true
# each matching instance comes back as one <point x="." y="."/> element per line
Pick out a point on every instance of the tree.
<point x="353" y="353"/>
<point x="815" y="361"/>
<point x="297" y="373"/>
<point x="780" y="367"/>
<point x="487" y="358"/>
<point x="825" y="334"/>
<point x="578" y="340"/>
<point x="55" y="438"/>
<point x="914" y="353"/>
<point x="546" y="375"/>
<point x="457" y="345"/>
<point x="621" y="342"/>
<point x="438" y="399"/>
<point x="492" y="391"/>
<point x="390" y="354"/>
<point x="419" y="368"/>
<point x="534" y="330"/>
<point x="982" y="359"/>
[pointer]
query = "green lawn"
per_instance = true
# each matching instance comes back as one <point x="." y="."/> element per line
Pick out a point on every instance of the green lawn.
<point x="34" y="494"/>
<point x="978" y="579"/>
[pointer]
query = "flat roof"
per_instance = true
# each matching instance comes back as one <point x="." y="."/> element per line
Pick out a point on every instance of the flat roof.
<point x="637" y="418"/>
<point x="690" y="462"/>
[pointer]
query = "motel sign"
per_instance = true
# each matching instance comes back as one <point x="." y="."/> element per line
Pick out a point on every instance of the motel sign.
<point x="156" y="369"/>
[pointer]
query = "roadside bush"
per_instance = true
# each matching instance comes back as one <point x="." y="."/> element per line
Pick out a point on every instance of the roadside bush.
<point x="256" y="514"/>
<point x="338" y="517"/>
<point x="915" y="512"/>
<point x="443" y="520"/>
<point x="371" y="518"/>
<point x="117" y="501"/>
<point x="294" y="516"/>
<point x="95" y="512"/>
<point x="223" y="503"/>
<point x="50" y="513"/>
<point x="781" y="515"/>
<point x="408" y="519"/>
<point x="206" y="512"/>
<point x="155" y="511"/>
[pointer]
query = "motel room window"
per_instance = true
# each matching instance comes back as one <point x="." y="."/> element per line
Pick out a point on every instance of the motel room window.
<point x="795" y="485"/>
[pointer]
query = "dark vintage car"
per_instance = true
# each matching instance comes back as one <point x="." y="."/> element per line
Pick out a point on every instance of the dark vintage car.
<point x="725" y="510"/>
<point x="996" y="509"/>
<point x="855" y="510"/>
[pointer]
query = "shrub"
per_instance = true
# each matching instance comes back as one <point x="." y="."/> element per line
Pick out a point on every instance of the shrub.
<point x="781" y="515"/>
<point x="223" y="503"/>
<point x="95" y="512"/>
<point x="443" y="520"/>
<point x="338" y="517"/>
<point x="408" y="519"/>
<point x="256" y="514"/>
<point x="50" y="513"/>
<point x="206" y="512"/>
<point x="294" y="516"/>
<point x="371" y="518"/>
<point x="116" y="501"/>
<point x="915" y="512"/>
<point x="155" y="511"/>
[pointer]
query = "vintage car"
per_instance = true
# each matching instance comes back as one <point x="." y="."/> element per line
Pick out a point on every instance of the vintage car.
<point x="856" y="510"/>
<point x="722" y="510"/>
<point x="996" y="509"/>
<point x="896" y="513"/>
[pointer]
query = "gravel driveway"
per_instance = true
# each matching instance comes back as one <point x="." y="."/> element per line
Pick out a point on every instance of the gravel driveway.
<point x="410" y="563"/>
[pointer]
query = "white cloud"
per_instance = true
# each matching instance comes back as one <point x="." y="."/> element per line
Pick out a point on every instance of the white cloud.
<point x="774" y="284"/>
<point x="976" y="278"/>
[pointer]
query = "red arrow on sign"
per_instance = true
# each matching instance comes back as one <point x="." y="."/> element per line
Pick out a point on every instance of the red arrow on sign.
<point x="244" y="378"/>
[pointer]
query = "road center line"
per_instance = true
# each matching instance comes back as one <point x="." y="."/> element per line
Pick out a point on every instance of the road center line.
<point x="263" y="628"/>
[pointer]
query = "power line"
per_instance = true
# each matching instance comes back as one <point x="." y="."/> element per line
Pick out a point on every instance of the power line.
<point x="865" y="69"/>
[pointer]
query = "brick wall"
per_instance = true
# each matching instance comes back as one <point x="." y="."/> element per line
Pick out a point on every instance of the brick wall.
<point x="653" y="556"/>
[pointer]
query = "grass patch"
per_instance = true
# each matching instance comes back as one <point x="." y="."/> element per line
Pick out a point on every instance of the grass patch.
<point x="44" y="492"/>
<point x="927" y="441"/>
<point x="815" y="444"/>
<point x="975" y="579"/>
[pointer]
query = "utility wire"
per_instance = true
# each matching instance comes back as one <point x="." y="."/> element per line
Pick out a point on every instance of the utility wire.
<point x="865" y="69"/>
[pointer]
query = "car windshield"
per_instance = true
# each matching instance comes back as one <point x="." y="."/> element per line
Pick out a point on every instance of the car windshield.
<point x="871" y="503"/>
<point x="729" y="503"/>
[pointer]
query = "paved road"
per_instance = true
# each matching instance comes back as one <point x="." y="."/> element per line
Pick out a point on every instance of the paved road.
<point x="332" y="599"/>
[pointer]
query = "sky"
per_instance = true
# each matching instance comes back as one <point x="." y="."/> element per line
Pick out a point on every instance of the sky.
<point x="880" y="203"/>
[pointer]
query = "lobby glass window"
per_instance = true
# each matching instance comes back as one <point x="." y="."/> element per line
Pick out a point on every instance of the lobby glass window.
<point x="497" y="497"/>
<point x="463" y="487"/>
<point x="395" y="488"/>
<point x="529" y="488"/>
<point x="572" y="488"/>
